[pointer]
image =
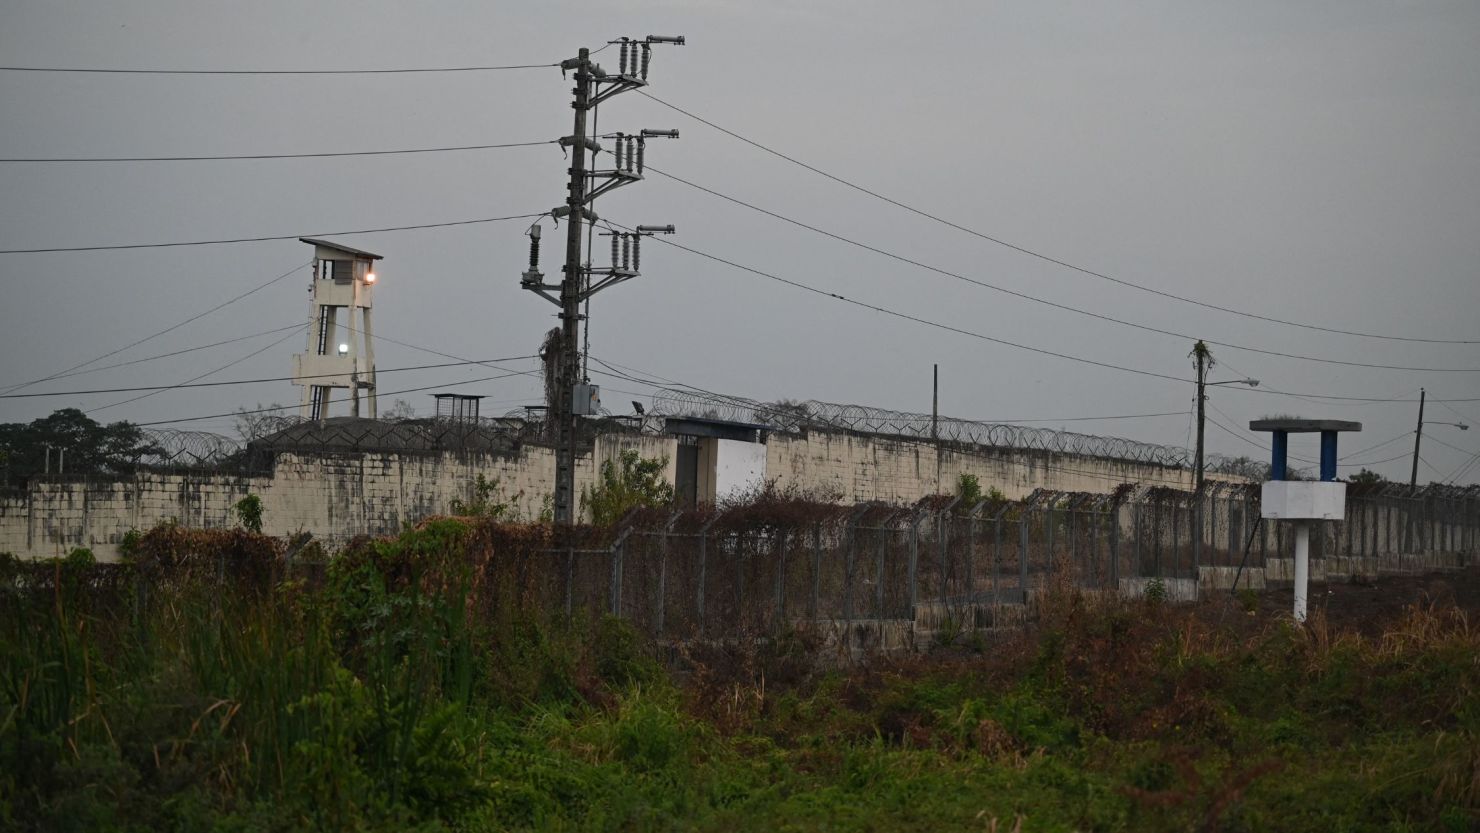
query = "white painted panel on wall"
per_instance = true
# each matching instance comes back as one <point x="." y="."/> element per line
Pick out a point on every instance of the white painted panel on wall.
<point x="739" y="467"/>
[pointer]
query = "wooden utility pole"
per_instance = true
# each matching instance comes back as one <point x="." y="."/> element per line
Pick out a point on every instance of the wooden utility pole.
<point x="1204" y="358"/>
<point x="1417" y="438"/>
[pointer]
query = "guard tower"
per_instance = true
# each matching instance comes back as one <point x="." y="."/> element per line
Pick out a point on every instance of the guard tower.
<point x="340" y="351"/>
<point x="1300" y="502"/>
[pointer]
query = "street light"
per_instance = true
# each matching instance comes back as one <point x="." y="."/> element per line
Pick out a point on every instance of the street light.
<point x="1418" y="435"/>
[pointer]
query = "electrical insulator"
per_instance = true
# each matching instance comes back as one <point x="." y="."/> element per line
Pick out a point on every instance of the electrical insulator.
<point x="637" y="254"/>
<point x="630" y="143"/>
<point x="647" y="54"/>
<point x="624" y="56"/>
<point x="641" y="149"/>
<point x="614" y="251"/>
<point x="534" y="250"/>
<point x="617" y="153"/>
<point x="626" y="251"/>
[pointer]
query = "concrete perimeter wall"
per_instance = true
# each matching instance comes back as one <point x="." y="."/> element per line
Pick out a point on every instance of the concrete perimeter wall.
<point x="338" y="496"/>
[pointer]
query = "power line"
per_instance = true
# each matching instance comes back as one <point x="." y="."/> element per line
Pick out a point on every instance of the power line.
<point x="1033" y="298"/>
<point x="448" y="149"/>
<point x="1430" y="436"/>
<point x="1403" y="436"/>
<point x="273" y="237"/>
<point x="1039" y="255"/>
<point x="113" y="71"/>
<point x="176" y="352"/>
<point x="1463" y="469"/>
<point x="192" y="384"/>
<point x="947" y="327"/>
<point x="193" y="379"/>
<point x="905" y="316"/>
<point x="614" y="367"/>
<point x="159" y="333"/>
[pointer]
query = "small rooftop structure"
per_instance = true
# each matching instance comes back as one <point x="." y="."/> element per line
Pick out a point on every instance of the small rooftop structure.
<point x="1282" y="428"/>
<point x="458" y="407"/>
<point x="338" y="247"/>
<point x="721" y="429"/>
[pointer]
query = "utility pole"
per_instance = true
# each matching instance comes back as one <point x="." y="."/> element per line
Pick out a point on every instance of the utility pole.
<point x="1204" y="358"/>
<point x="935" y="420"/>
<point x="574" y="397"/>
<point x="1417" y="438"/>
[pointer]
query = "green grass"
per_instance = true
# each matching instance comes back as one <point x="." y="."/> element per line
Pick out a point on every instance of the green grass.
<point x="401" y="693"/>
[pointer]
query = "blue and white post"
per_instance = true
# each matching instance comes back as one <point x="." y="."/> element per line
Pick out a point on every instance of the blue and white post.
<point x="1301" y="501"/>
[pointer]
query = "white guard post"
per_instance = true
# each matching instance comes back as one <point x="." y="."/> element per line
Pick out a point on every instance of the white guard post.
<point x="1302" y="501"/>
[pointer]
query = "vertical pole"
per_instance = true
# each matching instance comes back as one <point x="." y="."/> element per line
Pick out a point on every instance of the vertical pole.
<point x="570" y="575"/>
<point x="996" y="553"/>
<point x="1417" y="438"/>
<point x="570" y="304"/>
<point x="914" y="559"/>
<point x="816" y="567"/>
<point x="879" y="578"/>
<point x="616" y="576"/>
<point x="1200" y="352"/>
<point x="1136" y="531"/>
<point x="703" y="570"/>
<point x="971" y="556"/>
<point x="1302" y="568"/>
<point x="1023" y="553"/>
<point x="781" y="580"/>
<point x="935" y="421"/>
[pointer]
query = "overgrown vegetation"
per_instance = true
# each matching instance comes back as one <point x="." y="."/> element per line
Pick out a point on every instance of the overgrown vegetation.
<point x="488" y="501"/>
<point x="404" y="688"/>
<point x="632" y="482"/>
<point x="248" y="513"/>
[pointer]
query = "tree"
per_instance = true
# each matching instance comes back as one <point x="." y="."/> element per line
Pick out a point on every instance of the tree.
<point x="638" y="482"/>
<point x="87" y="446"/>
<point x="258" y="421"/>
<point x="1367" y="476"/>
<point x="400" y="409"/>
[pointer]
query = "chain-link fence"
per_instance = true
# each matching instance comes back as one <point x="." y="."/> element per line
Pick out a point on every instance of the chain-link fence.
<point x="705" y="573"/>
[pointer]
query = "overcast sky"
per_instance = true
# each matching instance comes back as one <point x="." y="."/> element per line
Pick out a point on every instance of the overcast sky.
<point x="1316" y="162"/>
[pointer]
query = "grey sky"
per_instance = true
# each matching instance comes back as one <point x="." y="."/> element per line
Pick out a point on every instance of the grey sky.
<point x="1316" y="161"/>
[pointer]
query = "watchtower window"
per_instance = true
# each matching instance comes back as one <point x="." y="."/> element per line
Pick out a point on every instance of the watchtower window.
<point x="339" y="271"/>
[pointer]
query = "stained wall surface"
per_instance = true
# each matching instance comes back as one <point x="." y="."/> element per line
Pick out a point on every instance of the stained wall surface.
<point x="337" y="496"/>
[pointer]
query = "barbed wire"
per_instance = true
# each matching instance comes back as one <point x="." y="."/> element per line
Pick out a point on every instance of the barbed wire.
<point x="794" y="417"/>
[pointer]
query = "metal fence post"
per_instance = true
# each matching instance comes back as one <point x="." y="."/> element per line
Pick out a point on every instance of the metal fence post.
<point x="703" y="568"/>
<point x="975" y="515"/>
<point x="816" y="568"/>
<point x="914" y="558"/>
<point x="997" y="551"/>
<point x="1023" y="552"/>
<point x="780" y="606"/>
<point x="942" y="535"/>
<point x="615" y="582"/>
<point x="570" y="569"/>
<point x="662" y="603"/>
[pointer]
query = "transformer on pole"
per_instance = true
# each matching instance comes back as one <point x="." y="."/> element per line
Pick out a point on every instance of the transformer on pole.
<point x="575" y="396"/>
